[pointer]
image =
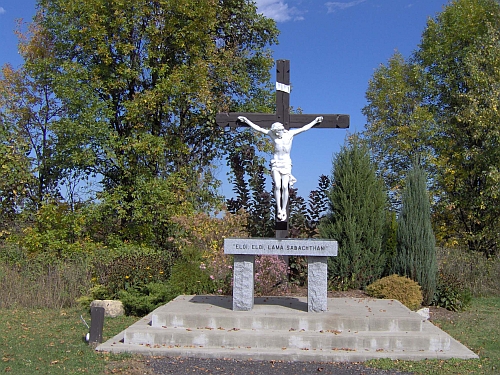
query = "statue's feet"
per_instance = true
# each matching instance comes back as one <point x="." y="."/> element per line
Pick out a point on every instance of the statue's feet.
<point x="282" y="216"/>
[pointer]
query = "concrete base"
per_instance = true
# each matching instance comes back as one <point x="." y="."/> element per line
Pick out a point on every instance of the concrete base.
<point x="279" y="328"/>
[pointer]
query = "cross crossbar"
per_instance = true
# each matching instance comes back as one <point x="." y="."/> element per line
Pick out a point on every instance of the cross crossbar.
<point x="265" y="120"/>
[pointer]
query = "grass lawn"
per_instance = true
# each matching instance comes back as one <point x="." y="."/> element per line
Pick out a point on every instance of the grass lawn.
<point x="478" y="328"/>
<point x="51" y="342"/>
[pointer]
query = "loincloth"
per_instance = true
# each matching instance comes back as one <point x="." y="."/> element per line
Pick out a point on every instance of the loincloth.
<point x="284" y="168"/>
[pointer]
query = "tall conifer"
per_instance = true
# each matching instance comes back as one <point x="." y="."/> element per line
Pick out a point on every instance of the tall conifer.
<point x="356" y="218"/>
<point x="416" y="251"/>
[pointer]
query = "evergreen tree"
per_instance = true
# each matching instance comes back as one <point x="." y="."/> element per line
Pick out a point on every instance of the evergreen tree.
<point x="416" y="252"/>
<point x="249" y="186"/>
<point x="317" y="207"/>
<point x="390" y="241"/>
<point x="356" y="218"/>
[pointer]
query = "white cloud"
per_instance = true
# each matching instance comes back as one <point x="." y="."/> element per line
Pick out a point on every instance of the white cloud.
<point x="336" y="5"/>
<point x="278" y="10"/>
<point x="2" y="10"/>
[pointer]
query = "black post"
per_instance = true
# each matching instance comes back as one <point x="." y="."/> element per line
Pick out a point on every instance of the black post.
<point x="283" y="116"/>
<point x="96" y="325"/>
<point x="282" y="96"/>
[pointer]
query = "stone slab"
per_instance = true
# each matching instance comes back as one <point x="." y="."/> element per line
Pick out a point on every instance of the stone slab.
<point x="112" y="308"/>
<point x="285" y="246"/>
<point x="301" y="340"/>
<point x="290" y="355"/>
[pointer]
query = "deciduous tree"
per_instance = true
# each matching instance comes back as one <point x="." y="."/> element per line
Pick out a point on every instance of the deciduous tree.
<point x="141" y="82"/>
<point x="398" y="123"/>
<point x="460" y="53"/>
<point x="443" y="104"/>
<point x="30" y="107"/>
<point x="16" y="177"/>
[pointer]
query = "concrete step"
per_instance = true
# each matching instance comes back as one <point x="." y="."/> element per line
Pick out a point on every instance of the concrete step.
<point x="303" y="340"/>
<point x="286" y="355"/>
<point x="280" y="328"/>
<point x="288" y="313"/>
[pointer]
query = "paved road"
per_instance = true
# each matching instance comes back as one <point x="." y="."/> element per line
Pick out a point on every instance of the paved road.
<point x="182" y="366"/>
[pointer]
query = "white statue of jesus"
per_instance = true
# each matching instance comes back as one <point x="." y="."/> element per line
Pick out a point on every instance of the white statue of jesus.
<point x="281" y="163"/>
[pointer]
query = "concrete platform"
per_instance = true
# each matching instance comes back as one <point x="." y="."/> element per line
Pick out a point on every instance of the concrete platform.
<point x="280" y="328"/>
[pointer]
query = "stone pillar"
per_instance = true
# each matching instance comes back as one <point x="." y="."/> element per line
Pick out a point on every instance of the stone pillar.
<point x="243" y="282"/>
<point x="317" y="284"/>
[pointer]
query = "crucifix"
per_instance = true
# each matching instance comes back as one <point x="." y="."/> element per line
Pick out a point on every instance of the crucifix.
<point x="277" y="127"/>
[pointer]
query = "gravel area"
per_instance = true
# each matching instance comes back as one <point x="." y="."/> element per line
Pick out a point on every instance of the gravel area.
<point x="181" y="366"/>
<point x="142" y="365"/>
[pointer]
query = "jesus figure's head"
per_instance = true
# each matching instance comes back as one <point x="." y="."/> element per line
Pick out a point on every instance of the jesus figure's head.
<point x="278" y="129"/>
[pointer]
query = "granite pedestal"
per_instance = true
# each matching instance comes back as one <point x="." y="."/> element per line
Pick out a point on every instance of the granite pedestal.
<point x="244" y="251"/>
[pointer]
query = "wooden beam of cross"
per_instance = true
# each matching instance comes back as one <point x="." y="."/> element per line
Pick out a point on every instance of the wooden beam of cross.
<point x="283" y="116"/>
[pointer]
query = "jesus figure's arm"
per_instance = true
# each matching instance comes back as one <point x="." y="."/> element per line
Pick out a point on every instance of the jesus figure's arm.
<point x="253" y="126"/>
<point x="317" y="120"/>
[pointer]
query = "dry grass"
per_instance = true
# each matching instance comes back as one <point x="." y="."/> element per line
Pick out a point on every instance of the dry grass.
<point x="49" y="286"/>
<point x="474" y="270"/>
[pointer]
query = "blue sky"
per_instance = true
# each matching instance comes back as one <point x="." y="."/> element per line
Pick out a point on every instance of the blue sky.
<point x="333" y="47"/>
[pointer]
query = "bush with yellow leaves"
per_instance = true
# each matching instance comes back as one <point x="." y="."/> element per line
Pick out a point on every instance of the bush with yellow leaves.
<point x="201" y="243"/>
<point x="403" y="289"/>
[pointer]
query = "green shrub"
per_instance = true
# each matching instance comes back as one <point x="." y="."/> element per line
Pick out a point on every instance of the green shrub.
<point x="188" y="276"/>
<point x="96" y="292"/>
<point x="298" y="270"/>
<point x="140" y="301"/>
<point x="130" y="266"/>
<point x="191" y="277"/>
<point x="201" y="241"/>
<point x="99" y="292"/>
<point x="451" y="293"/>
<point x="406" y="291"/>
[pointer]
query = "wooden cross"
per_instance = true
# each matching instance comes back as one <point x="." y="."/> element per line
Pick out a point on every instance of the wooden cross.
<point x="283" y="116"/>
